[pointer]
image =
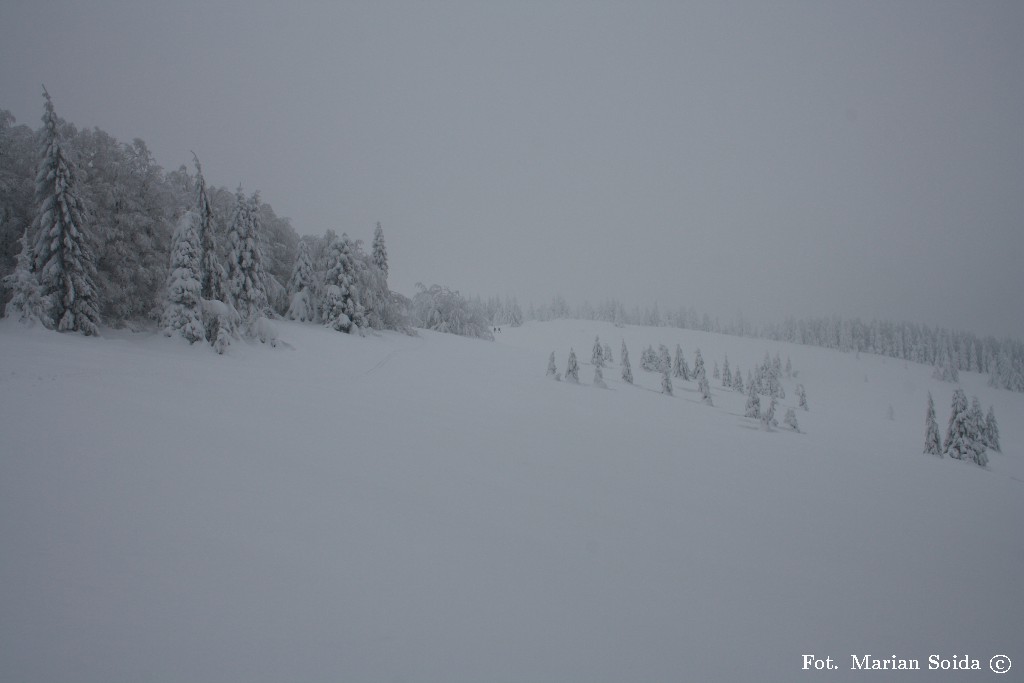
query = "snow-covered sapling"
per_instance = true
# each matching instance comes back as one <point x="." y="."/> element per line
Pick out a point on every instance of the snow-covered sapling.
<point x="572" y="368"/>
<point x="768" y="416"/>
<point x="599" y="377"/>
<point x="627" y="371"/>
<point x="753" y="407"/>
<point x="992" y="431"/>
<point x="726" y="373"/>
<point x="608" y="354"/>
<point x="790" y="420"/>
<point x="801" y="396"/>
<point x="705" y="390"/>
<point x="666" y="382"/>
<point x="552" y="369"/>
<point x="931" y="430"/>
<point x="597" y="355"/>
<point x="715" y="373"/>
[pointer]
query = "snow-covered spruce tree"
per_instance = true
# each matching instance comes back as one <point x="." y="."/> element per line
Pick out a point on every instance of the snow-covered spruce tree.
<point x="664" y="359"/>
<point x="715" y="373"/>
<point x="790" y="420"/>
<point x="737" y="381"/>
<point x="62" y="249"/>
<point x="677" y="363"/>
<point x="597" y="355"/>
<point x="380" y="251"/>
<point x="28" y="303"/>
<point x="607" y="353"/>
<point x="572" y="368"/>
<point x="552" y="369"/>
<point x="931" y="430"/>
<point x="698" y="366"/>
<point x="213" y="275"/>
<point x="992" y="431"/>
<point x="789" y="368"/>
<point x="801" y="396"/>
<point x="246" y="278"/>
<point x="945" y="370"/>
<point x="753" y="407"/>
<point x="705" y="390"/>
<point x="666" y="382"/>
<point x="977" y="422"/>
<point x="768" y="415"/>
<point x="648" y="359"/>
<point x="627" y="371"/>
<point x="340" y="307"/>
<point x="183" y="313"/>
<point x="599" y="377"/>
<point x="726" y="373"/>
<point x="300" y="287"/>
<point x="958" y="433"/>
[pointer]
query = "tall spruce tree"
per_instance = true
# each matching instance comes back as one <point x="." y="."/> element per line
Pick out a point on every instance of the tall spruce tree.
<point x="63" y="250"/>
<point x="627" y="370"/>
<point x="572" y="368"/>
<point x="300" y="286"/>
<point x="183" y="298"/>
<point x="597" y="355"/>
<point x="958" y="432"/>
<point x="753" y="407"/>
<point x="992" y="430"/>
<point x="380" y="251"/>
<point x="246" y="277"/>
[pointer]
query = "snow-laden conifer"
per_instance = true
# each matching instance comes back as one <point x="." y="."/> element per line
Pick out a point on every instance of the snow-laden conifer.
<point x="715" y="373"/>
<point x="801" y="396"/>
<point x="62" y="249"/>
<point x="789" y="368"/>
<point x="183" y="313"/>
<point x="664" y="359"/>
<point x="677" y="364"/>
<point x="726" y="373"/>
<point x="977" y="428"/>
<point x="790" y="420"/>
<point x="246" y="277"/>
<point x="958" y="437"/>
<point x="572" y="368"/>
<point x="213" y="275"/>
<point x="27" y="304"/>
<point x="666" y="382"/>
<point x="597" y="354"/>
<point x="992" y="431"/>
<point x="301" y="286"/>
<point x="753" y="407"/>
<point x="768" y="415"/>
<point x="599" y="377"/>
<point x="340" y="307"/>
<point x="608" y="354"/>
<point x="931" y="430"/>
<point x="380" y="251"/>
<point x="627" y="371"/>
<point x="737" y="381"/>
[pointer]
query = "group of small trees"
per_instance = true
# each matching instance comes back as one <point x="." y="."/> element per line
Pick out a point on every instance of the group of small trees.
<point x="969" y="433"/>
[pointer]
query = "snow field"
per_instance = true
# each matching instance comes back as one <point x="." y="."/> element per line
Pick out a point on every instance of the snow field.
<point x="436" y="509"/>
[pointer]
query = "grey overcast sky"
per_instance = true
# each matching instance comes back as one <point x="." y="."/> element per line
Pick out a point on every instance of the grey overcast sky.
<point x="862" y="158"/>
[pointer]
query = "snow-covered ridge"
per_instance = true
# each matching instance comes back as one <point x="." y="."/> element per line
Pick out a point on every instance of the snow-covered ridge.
<point x="434" y="508"/>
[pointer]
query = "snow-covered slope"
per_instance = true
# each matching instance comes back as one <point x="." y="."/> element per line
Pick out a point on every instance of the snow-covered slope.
<point x="434" y="509"/>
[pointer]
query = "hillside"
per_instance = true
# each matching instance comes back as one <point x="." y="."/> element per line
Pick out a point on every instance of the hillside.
<point x="433" y="508"/>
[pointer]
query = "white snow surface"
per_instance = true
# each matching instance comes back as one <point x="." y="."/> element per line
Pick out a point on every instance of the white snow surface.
<point x="433" y="508"/>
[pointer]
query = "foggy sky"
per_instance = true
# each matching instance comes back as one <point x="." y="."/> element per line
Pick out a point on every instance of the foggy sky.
<point x="769" y="158"/>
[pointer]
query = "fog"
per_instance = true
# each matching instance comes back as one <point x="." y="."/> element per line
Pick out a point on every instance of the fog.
<point x="865" y="159"/>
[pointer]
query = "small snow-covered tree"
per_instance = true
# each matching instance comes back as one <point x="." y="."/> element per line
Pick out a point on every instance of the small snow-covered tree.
<point x="790" y="420"/>
<point x="608" y="354"/>
<point x="726" y="373"/>
<point x="664" y="359"/>
<point x="977" y="427"/>
<point x="597" y="355"/>
<point x="789" y="368"/>
<point x="552" y="370"/>
<point x="28" y="303"/>
<point x="698" y="366"/>
<point x="992" y="431"/>
<point x="183" y="313"/>
<point x="572" y="368"/>
<point x="945" y="370"/>
<point x="627" y="371"/>
<point x="705" y="390"/>
<point x="666" y="382"/>
<point x="678" y="364"/>
<point x="63" y="250"/>
<point x="599" y="377"/>
<point x="959" y="439"/>
<point x="931" y="430"/>
<point x="768" y="415"/>
<point x="801" y="396"/>
<point x="753" y="407"/>
<point x="649" y="359"/>
<point x="737" y="380"/>
<point x="715" y="373"/>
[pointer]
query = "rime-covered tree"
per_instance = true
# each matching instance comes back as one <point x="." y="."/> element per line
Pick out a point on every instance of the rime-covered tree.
<point x="552" y="369"/>
<point x="599" y="377"/>
<point x="698" y="366"/>
<point x="597" y="355"/>
<point x="977" y="427"/>
<point x="753" y="407"/>
<point x="572" y="368"/>
<point x="705" y="390"/>
<point x="726" y="373"/>
<point x="666" y="382"/>
<point x="992" y="431"/>
<point x="340" y="307"/>
<point x="380" y="251"/>
<point x="62" y="249"/>
<point x="715" y="373"/>
<point x="790" y="420"/>
<point x="768" y="415"/>
<point x="959" y="440"/>
<point x="183" y="312"/>
<point x="648" y="359"/>
<point x="679" y="368"/>
<point x="931" y="430"/>
<point x="301" y="286"/>
<point x="608" y="354"/>
<point x="945" y="370"/>
<point x="246" y="277"/>
<point x="213" y="275"/>
<point x="789" y="368"/>
<point x="627" y="371"/>
<point x="737" y="380"/>
<point x="664" y="359"/>
<point x="28" y="303"/>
